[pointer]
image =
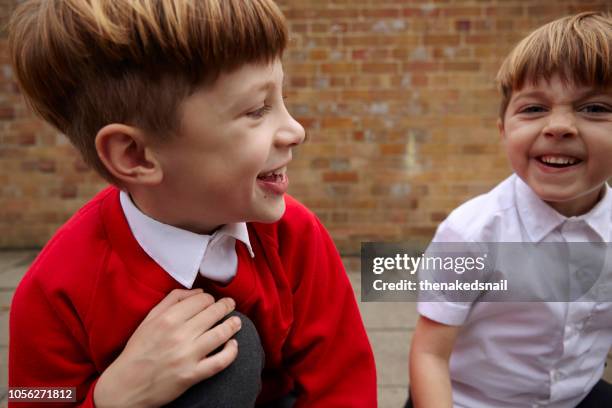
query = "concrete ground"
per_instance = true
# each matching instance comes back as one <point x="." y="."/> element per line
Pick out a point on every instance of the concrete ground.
<point x="389" y="326"/>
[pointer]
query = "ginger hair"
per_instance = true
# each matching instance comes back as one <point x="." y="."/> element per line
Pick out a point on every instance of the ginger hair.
<point x="578" y="48"/>
<point x="83" y="64"/>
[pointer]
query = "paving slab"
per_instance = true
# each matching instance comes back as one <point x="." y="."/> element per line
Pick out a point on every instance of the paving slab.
<point x="10" y="258"/>
<point x="392" y="396"/>
<point x="391" y="353"/>
<point x="4" y="366"/>
<point x="12" y="267"/>
<point x="5" y="304"/>
<point x="383" y="315"/>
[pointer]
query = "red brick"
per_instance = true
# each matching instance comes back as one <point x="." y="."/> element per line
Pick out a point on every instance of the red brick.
<point x="379" y="68"/>
<point x="462" y="66"/>
<point x="319" y="54"/>
<point x="337" y="123"/>
<point x="46" y="166"/>
<point x="463" y="25"/>
<point x="451" y="39"/>
<point x="340" y="177"/>
<point x="393" y="149"/>
<point x="380" y="13"/>
<point x="338" y="68"/>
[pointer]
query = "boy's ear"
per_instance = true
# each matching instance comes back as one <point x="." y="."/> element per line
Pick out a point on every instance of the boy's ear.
<point x="127" y="155"/>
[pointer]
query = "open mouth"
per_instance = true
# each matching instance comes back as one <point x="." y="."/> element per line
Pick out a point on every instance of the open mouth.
<point x="558" y="161"/>
<point x="273" y="176"/>
<point x="274" y="181"/>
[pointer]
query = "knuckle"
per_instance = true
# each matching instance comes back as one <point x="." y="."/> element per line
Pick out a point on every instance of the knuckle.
<point x="228" y="304"/>
<point x="165" y="322"/>
<point x="207" y="299"/>
<point x="217" y="335"/>
<point x="229" y="327"/>
<point x="176" y="293"/>
<point x="186" y="377"/>
<point x="218" y="364"/>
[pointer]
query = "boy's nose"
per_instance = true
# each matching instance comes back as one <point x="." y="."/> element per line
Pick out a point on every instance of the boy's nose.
<point x="291" y="133"/>
<point x="561" y="124"/>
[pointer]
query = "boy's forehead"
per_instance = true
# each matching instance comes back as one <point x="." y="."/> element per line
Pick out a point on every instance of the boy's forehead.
<point x="249" y="79"/>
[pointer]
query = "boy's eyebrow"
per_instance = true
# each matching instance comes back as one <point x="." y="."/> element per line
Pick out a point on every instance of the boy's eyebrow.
<point x="254" y="89"/>
<point x="530" y="94"/>
<point x="594" y="92"/>
<point x="586" y="94"/>
<point x="239" y="99"/>
<point x="262" y="86"/>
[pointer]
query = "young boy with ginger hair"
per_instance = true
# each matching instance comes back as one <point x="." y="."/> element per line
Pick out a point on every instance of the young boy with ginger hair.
<point x="556" y="125"/>
<point x="178" y="103"/>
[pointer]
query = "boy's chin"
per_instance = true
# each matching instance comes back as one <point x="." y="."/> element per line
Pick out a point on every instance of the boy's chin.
<point x="574" y="204"/>
<point x="272" y="212"/>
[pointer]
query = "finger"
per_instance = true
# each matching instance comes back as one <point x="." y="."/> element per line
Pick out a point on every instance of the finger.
<point x="187" y="308"/>
<point x="217" y="362"/>
<point x="217" y="336"/>
<point x="172" y="298"/>
<point x="207" y="318"/>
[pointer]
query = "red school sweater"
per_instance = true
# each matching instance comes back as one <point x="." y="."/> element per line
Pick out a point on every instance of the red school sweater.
<point x="92" y="285"/>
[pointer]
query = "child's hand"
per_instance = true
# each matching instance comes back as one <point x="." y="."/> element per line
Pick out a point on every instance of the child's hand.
<point x="167" y="353"/>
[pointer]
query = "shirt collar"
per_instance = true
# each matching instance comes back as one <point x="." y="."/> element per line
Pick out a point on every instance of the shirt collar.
<point x="178" y="251"/>
<point x="540" y="219"/>
<point x="600" y="216"/>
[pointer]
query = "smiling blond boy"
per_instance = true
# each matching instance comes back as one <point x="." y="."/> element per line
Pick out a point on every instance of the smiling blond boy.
<point x="179" y="105"/>
<point x="556" y="126"/>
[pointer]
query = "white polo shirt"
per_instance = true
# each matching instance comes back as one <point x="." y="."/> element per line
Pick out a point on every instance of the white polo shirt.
<point x="181" y="253"/>
<point x="524" y="354"/>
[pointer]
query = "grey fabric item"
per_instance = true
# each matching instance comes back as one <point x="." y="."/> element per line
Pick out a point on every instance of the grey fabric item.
<point x="239" y="384"/>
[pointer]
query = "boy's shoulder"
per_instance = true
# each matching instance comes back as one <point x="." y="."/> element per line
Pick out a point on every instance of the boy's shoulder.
<point x="67" y="269"/>
<point x="76" y="249"/>
<point x="479" y="219"/>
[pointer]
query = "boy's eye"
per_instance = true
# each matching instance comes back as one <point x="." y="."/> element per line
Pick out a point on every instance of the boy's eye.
<point x="532" y="109"/>
<point x="596" y="108"/>
<point x="259" y="113"/>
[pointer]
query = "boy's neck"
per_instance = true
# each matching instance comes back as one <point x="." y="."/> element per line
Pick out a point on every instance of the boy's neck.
<point x="580" y="206"/>
<point x="151" y="208"/>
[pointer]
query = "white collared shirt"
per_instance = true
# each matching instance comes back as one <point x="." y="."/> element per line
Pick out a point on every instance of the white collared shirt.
<point x="182" y="253"/>
<point x="525" y="354"/>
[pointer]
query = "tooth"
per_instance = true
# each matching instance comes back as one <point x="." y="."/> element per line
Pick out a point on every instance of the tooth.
<point x="564" y="160"/>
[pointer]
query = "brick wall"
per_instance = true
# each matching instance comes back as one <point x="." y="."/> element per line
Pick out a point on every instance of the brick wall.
<point x="397" y="97"/>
